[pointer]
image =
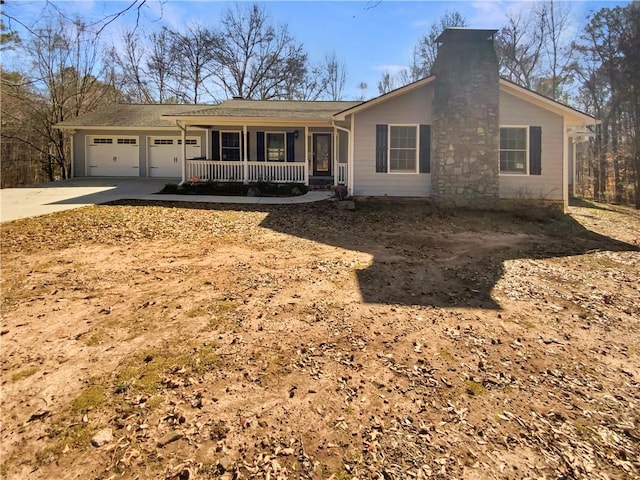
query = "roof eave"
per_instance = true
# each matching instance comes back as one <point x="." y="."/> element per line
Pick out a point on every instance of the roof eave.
<point x="114" y="127"/>
<point x="253" y="121"/>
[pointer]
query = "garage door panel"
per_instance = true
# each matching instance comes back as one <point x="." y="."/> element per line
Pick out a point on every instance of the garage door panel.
<point x="165" y="155"/>
<point x="116" y="156"/>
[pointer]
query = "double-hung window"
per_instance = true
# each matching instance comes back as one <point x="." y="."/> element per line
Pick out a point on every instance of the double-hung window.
<point x="403" y="148"/>
<point x="276" y="147"/>
<point x="230" y="146"/>
<point x="514" y="150"/>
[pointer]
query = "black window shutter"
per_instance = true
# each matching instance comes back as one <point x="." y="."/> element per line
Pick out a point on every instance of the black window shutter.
<point x="291" y="146"/>
<point x="215" y="145"/>
<point x="425" y="148"/>
<point x="260" y="146"/>
<point x="381" y="148"/>
<point x="248" y="147"/>
<point x="535" y="150"/>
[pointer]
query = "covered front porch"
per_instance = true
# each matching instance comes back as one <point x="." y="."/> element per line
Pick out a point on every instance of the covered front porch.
<point x="268" y="141"/>
<point x="271" y="153"/>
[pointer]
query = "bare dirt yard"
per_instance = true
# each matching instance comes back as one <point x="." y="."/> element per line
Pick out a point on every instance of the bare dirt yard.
<point x="191" y="341"/>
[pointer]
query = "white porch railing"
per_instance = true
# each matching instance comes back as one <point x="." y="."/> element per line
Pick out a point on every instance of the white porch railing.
<point x="343" y="168"/>
<point x="221" y="171"/>
<point x="279" y="172"/>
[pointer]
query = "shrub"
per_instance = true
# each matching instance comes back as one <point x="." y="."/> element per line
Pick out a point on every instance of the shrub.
<point x="170" y="188"/>
<point x="266" y="189"/>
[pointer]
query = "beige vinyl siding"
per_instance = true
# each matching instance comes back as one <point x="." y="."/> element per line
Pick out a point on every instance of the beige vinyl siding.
<point x="411" y="108"/>
<point x="515" y="111"/>
<point x="80" y="143"/>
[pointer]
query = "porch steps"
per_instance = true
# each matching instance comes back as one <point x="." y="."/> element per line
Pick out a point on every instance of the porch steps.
<point x="320" y="183"/>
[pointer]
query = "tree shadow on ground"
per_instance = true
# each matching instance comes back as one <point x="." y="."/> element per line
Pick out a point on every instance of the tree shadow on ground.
<point x="605" y="207"/>
<point x="424" y="256"/>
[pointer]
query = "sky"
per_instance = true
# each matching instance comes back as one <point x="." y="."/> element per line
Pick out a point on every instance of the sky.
<point x="370" y="37"/>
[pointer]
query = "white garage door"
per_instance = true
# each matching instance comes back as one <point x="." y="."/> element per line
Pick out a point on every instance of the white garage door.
<point x="113" y="156"/>
<point x="165" y="155"/>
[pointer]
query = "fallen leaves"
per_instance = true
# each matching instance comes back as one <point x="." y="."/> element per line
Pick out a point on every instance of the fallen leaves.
<point x="307" y="342"/>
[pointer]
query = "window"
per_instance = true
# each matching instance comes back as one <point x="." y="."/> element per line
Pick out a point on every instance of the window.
<point x="275" y="147"/>
<point x="103" y="140"/>
<point x="127" y="141"/>
<point x="403" y="148"/>
<point x="230" y="145"/>
<point x="163" y="141"/>
<point x="513" y="150"/>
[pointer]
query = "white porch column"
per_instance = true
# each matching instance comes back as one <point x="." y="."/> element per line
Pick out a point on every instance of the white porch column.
<point x="350" y="160"/>
<point x="348" y="173"/>
<point x="306" y="156"/>
<point x="245" y="156"/>
<point x="72" y="146"/>
<point x="565" y="165"/>
<point x="184" y="151"/>
<point x="334" y="156"/>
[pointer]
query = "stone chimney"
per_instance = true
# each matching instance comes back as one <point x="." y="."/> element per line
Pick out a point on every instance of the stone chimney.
<point x="465" y="126"/>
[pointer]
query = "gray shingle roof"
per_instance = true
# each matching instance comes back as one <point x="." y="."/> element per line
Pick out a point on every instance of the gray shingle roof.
<point x="150" y="115"/>
<point x="129" y="115"/>
<point x="318" y="110"/>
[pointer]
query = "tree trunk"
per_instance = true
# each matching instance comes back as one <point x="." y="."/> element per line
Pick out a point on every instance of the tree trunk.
<point x="597" y="148"/>
<point x="617" y="180"/>
<point x="603" y="170"/>
<point x="636" y="174"/>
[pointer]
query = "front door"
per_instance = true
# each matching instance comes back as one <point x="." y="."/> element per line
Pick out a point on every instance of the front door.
<point x="322" y="154"/>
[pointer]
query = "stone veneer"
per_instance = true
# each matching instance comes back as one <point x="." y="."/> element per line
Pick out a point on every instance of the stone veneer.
<point x="465" y="126"/>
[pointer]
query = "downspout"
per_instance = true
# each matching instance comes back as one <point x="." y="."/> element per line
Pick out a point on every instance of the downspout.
<point x="184" y="151"/>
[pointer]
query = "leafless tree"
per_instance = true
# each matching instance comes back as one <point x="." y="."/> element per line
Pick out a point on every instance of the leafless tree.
<point x="128" y="66"/>
<point x="363" y="90"/>
<point x="312" y="86"/>
<point x="161" y="66"/>
<point x="520" y="47"/>
<point x="21" y="144"/>
<point x="386" y="83"/>
<point x="336" y="76"/>
<point x="559" y="62"/>
<point x="193" y="53"/>
<point x="254" y="58"/>
<point x="64" y="79"/>
<point x="414" y="72"/>
<point x="427" y="49"/>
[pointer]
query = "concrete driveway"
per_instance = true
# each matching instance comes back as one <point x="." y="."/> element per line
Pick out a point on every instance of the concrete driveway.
<point x="52" y="197"/>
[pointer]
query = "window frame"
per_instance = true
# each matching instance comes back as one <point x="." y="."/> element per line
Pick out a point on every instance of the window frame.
<point x="527" y="151"/>
<point x="416" y="171"/>
<point x="284" y="146"/>
<point x="222" y="147"/>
